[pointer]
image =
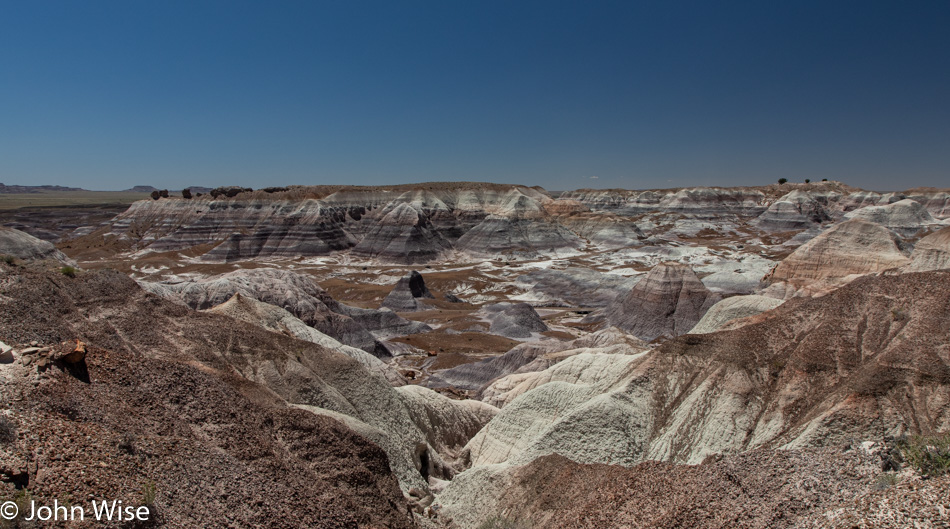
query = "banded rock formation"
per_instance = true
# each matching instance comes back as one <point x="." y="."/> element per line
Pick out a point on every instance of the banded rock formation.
<point x="669" y="301"/>
<point x="845" y="251"/>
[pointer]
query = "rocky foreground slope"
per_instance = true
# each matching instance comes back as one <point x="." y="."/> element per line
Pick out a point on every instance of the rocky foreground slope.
<point x="254" y="407"/>
<point x="867" y="360"/>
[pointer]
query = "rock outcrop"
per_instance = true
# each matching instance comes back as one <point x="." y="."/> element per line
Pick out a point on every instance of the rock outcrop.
<point x="845" y="251"/>
<point x="669" y="301"/>
<point x="107" y="308"/>
<point x="408" y="294"/>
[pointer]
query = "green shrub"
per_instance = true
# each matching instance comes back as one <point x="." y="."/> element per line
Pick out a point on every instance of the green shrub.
<point x="68" y="271"/>
<point x="929" y="455"/>
<point x="885" y="481"/>
<point x="148" y="493"/>
<point x="9" y="259"/>
<point x="782" y="180"/>
<point x="808" y="180"/>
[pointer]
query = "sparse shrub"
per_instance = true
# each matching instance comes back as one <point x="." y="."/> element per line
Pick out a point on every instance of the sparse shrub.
<point x="928" y="455"/>
<point x="500" y="522"/>
<point x="148" y="493"/>
<point x="127" y="443"/>
<point x="163" y="193"/>
<point x="9" y="259"/>
<point x="885" y="481"/>
<point x="824" y="179"/>
<point x="68" y="271"/>
<point x="186" y="193"/>
<point x="782" y="181"/>
<point x="899" y="315"/>
<point x="7" y="430"/>
<point x="155" y="195"/>
<point x="808" y="180"/>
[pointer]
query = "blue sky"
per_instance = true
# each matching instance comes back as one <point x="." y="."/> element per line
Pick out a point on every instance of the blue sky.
<point x="110" y="94"/>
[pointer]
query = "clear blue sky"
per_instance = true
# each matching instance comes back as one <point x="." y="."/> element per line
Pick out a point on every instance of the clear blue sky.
<point x="109" y="94"/>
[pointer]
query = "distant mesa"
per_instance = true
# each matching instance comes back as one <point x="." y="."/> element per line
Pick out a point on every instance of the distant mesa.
<point x="141" y="189"/>
<point x="36" y="189"/>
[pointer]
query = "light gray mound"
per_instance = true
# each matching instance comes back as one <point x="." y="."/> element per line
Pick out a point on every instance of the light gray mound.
<point x="406" y="295"/>
<point x="669" y="301"/>
<point x="300" y="296"/>
<point x="906" y="217"/>
<point x="931" y="253"/>
<point x="527" y="357"/>
<point x="513" y="320"/>
<point x="25" y="246"/>
<point x="737" y="277"/>
<point x="278" y="320"/>
<point x="731" y="309"/>
<point x="577" y="287"/>
<point x="798" y="210"/>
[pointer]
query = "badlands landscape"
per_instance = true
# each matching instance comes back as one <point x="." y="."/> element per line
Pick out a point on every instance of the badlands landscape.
<point x="477" y="356"/>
